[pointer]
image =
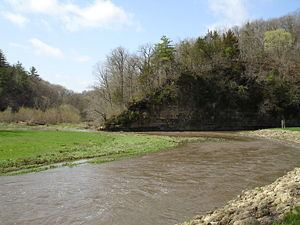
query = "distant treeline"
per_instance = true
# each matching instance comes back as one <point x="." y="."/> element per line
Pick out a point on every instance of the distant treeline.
<point x="25" y="90"/>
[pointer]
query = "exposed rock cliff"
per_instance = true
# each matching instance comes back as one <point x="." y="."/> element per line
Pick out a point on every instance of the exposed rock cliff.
<point x="198" y="103"/>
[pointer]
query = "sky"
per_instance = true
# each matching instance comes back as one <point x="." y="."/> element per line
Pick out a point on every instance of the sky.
<point x="64" y="39"/>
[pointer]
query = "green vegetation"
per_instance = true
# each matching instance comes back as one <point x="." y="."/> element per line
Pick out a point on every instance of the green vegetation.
<point x="292" y="218"/>
<point x="26" y="89"/>
<point x="277" y="40"/>
<point x="60" y="114"/>
<point x="293" y="128"/>
<point x="290" y="128"/>
<point x="31" y="150"/>
<point x="233" y="79"/>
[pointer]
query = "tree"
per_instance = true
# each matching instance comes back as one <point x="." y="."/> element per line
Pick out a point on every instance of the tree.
<point x="185" y="56"/>
<point x="33" y="72"/>
<point x="147" y="75"/>
<point x="277" y="41"/>
<point x="164" y="54"/>
<point x="231" y="45"/>
<point x="103" y="83"/>
<point x="3" y="61"/>
<point x="116" y="64"/>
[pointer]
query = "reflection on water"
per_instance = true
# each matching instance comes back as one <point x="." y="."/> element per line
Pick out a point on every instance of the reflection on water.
<point x="160" y="188"/>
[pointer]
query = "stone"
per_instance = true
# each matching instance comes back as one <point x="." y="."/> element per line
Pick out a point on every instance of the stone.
<point x="261" y="206"/>
<point x="267" y="220"/>
<point x="248" y="221"/>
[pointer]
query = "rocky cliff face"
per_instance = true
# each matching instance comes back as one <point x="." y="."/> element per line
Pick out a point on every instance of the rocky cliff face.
<point x="194" y="103"/>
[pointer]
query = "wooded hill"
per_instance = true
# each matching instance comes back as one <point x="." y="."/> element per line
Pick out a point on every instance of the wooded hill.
<point x="243" y="78"/>
<point x="24" y="96"/>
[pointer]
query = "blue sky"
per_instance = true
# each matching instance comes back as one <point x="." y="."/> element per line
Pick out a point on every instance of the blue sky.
<point x="64" y="39"/>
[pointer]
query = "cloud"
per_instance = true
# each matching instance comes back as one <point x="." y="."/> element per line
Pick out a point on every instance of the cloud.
<point x="36" y="6"/>
<point x="41" y="48"/>
<point x="82" y="58"/>
<point x="99" y="13"/>
<point x="16" y="19"/>
<point x="228" y="13"/>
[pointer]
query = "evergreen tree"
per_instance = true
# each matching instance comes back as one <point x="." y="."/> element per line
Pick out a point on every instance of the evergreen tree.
<point x="33" y="72"/>
<point x="3" y="61"/>
<point x="165" y="55"/>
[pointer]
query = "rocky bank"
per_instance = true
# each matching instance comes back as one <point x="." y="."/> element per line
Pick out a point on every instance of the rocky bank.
<point x="283" y="135"/>
<point x="263" y="205"/>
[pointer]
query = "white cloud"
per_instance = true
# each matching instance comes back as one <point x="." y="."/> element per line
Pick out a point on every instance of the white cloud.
<point x="100" y="13"/>
<point x="42" y="48"/>
<point x="16" y="19"/>
<point x="82" y="58"/>
<point x="228" y="13"/>
<point x="37" y="6"/>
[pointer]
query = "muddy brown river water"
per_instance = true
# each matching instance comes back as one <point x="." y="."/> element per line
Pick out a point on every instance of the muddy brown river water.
<point x="156" y="189"/>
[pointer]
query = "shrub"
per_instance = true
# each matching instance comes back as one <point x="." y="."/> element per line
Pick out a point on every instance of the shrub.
<point x="61" y="114"/>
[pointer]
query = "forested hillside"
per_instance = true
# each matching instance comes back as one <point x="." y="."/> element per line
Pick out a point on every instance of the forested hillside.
<point x="24" y="96"/>
<point x="244" y="77"/>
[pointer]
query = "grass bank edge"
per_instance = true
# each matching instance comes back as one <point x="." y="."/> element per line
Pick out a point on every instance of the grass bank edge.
<point x="118" y="146"/>
<point x="291" y="218"/>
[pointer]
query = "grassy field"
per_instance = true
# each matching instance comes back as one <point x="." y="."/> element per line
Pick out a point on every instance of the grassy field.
<point x="33" y="150"/>
<point x="292" y="218"/>
<point x="293" y="128"/>
<point x="287" y="128"/>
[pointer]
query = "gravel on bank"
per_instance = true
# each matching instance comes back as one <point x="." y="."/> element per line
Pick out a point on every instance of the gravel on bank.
<point x="263" y="205"/>
<point x="283" y="135"/>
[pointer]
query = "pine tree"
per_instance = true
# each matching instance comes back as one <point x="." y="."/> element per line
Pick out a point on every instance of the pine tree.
<point x="33" y="72"/>
<point x="3" y="61"/>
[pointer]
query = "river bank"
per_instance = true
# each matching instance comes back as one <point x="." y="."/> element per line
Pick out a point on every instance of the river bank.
<point x="263" y="205"/>
<point x="32" y="149"/>
<point x="161" y="188"/>
<point x="277" y="134"/>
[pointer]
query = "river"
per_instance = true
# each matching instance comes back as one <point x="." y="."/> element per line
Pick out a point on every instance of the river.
<point x="160" y="188"/>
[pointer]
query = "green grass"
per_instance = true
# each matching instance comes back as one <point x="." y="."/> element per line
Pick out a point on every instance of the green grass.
<point x="292" y="218"/>
<point x="289" y="128"/>
<point x="293" y="128"/>
<point x="32" y="150"/>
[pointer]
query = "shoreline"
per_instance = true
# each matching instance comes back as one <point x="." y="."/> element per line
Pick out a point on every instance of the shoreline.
<point x="262" y="205"/>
